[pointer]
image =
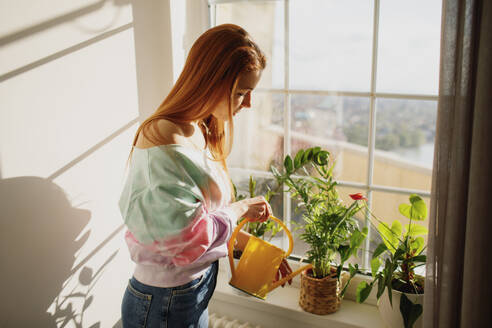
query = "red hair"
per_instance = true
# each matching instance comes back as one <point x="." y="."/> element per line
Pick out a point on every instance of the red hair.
<point x="210" y="74"/>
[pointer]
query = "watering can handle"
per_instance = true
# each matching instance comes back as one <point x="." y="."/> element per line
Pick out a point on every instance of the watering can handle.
<point x="236" y="231"/>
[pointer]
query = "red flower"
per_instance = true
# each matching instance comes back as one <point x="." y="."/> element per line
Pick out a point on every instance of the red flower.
<point x="358" y="196"/>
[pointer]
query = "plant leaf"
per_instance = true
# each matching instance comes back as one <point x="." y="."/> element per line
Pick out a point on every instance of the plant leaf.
<point x="399" y="254"/>
<point x="352" y="269"/>
<point x="344" y="251"/>
<point x="381" y="286"/>
<point x="379" y="250"/>
<point x="375" y="264"/>
<point x="389" y="277"/>
<point x="252" y="186"/>
<point x="419" y="258"/>
<point x="275" y="172"/>
<point x="269" y="195"/>
<point x="363" y="291"/>
<point x="339" y="271"/>
<point x="298" y="159"/>
<point x="289" y="166"/>
<point x="324" y="155"/>
<point x="419" y="209"/>
<point x="410" y="311"/>
<point x="415" y="230"/>
<point x="356" y="240"/>
<point x="405" y="209"/>
<point x="417" y="244"/>
<point x="416" y="210"/>
<point x="308" y="155"/>
<point x="390" y="235"/>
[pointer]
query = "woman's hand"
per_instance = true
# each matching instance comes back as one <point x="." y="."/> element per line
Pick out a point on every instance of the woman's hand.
<point x="253" y="209"/>
<point x="284" y="270"/>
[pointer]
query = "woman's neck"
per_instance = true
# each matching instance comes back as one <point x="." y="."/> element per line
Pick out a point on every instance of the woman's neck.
<point x="196" y="136"/>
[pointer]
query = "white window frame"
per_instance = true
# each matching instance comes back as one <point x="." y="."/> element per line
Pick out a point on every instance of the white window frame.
<point x="369" y="187"/>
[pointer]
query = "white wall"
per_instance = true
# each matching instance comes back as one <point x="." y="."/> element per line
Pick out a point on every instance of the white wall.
<point x="75" y="76"/>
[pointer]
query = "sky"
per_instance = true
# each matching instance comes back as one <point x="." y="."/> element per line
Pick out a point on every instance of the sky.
<point x="331" y="45"/>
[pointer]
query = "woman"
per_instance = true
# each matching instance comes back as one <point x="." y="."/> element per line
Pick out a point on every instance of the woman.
<point x="176" y="202"/>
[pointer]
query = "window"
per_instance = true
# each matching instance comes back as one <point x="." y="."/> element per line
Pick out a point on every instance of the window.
<point x="359" y="78"/>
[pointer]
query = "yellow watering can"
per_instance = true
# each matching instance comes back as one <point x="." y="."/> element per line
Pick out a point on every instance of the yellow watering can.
<point x="259" y="263"/>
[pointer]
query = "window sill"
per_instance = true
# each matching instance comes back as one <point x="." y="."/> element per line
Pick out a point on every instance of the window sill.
<point x="281" y="308"/>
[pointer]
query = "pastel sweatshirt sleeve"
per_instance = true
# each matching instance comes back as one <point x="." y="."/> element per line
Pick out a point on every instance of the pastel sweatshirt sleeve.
<point x="175" y="210"/>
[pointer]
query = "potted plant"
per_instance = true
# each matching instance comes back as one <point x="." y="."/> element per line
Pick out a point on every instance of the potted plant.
<point x="400" y="253"/>
<point x="329" y="227"/>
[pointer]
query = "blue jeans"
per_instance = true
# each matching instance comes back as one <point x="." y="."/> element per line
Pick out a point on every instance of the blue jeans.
<point x="173" y="307"/>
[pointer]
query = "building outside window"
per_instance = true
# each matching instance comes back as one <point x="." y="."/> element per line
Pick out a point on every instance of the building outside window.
<point x="358" y="78"/>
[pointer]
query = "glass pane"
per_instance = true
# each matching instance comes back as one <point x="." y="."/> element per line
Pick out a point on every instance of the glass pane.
<point x="264" y="21"/>
<point x="259" y="133"/>
<point x="330" y="44"/>
<point x="344" y="193"/>
<point x="296" y="222"/>
<point x="409" y="43"/>
<point x="338" y="124"/>
<point x="300" y="247"/>
<point x="405" y="132"/>
<point x="241" y="181"/>
<point x="385" y="207"/>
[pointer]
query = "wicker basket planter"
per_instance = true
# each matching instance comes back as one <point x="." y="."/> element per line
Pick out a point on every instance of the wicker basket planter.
<point x="319" y="296"/>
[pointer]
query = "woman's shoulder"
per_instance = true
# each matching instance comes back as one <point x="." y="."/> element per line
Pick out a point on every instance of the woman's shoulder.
<point x="166" y="131"/>
<point x="163" y="132"/>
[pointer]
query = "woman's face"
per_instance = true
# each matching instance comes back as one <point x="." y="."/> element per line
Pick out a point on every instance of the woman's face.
<point x="241" y="97"/>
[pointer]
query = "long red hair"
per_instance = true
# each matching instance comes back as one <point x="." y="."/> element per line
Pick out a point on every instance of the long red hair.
<point x="210" y="74"/>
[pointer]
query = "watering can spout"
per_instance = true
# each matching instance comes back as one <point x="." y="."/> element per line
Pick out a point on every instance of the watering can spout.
<point x="259" y="263"/>
<point x="289" y="277"/>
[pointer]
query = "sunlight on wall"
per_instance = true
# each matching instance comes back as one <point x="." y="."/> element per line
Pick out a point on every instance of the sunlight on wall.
<point x="178" y="12"/>
<point x="69" y="111"/>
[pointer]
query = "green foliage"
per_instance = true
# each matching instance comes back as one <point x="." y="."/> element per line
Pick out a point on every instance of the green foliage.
<point x="416" y="210"/>
<point x="258" y="229"/>
<point x="401" y="252"/>
<point x="409" y="311"/>
<point x="329" y="227"/>
<point x="390" y="234"/>
<point x="363" y="291"/>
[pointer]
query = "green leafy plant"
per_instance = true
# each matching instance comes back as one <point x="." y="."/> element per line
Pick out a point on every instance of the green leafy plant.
<point x="399" y="254"/>
<point x="258" y="229"/>
<point x="329" y="227"/>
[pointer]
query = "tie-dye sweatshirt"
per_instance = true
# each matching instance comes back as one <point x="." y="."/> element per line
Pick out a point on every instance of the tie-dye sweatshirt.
<point x="174" y="204"/>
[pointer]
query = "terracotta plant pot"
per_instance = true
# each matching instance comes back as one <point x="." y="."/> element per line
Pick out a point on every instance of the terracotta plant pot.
<point x="319" y="296"/>
<point x="391" y="315"/>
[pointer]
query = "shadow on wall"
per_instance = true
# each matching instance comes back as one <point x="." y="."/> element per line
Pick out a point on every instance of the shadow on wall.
<point x="37" y="246"/>
<point x="104" y="32"/>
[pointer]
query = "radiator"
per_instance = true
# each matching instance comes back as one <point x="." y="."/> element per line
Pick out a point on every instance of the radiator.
<point x="216" y="321"/>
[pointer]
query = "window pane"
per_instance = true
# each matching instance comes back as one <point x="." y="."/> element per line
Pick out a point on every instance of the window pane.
<point x="405" y="132"/>
<point x="259" y="133"/>
<point x="338" y="124"/>
<point x="331" y="44"/>
<point x="264" y="21"/>
<point x="409" y="41"/>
